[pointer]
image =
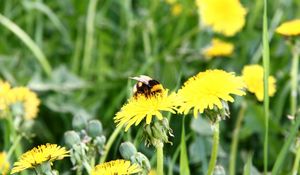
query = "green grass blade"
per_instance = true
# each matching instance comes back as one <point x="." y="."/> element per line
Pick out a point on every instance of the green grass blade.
<point x="50" y="14"/>
<point x="184" y="162"/>
<point x="284" y="150"/>
<point x="89" y="37"/>
<point x="23" y="36"/>
<point x="266" y="64"/>
<point x="247" y="167"/>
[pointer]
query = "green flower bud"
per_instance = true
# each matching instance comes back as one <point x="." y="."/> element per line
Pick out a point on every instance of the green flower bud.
<point x="143" y="161"/>
<point x="71" y="138"/>
<point x="94" y="128"/>
<point x="79" y="122"/>
<point x="127" y="150"/>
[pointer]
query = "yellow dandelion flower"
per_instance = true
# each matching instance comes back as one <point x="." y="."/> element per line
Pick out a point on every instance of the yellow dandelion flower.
<point x="39" y="155"/>
<point x="208" y="89"/>
<point x="218" y="48"/>
<point x="116" y="167"/>
<point x="290" y="28"/>
<point x="226" y="17"/>
<point x="28" y="98"/>
<point x="4" y="164"/>
<point x="253" y="77"/>
<point x="145" y="107"/>
<point x="176" y="9"/>
<point x="4" y="89"/>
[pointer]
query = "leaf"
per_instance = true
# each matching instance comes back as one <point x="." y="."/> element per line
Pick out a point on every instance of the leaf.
<point x="184" y="162"/>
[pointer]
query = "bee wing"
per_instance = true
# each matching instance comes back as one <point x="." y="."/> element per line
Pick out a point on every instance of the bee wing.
<point x="142" y="78"/>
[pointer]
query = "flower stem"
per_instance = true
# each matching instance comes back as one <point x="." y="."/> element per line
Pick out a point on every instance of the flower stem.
<point x="297" y="159"/>
<point x="160" y="159"/>
<point x="14" y="146"/>
<point x="266" y="64"/>
<point x="294" y="78"/>
<point x="109" y="143"/>
<point x="214" y="151"/>
<point x="235" y="139"/>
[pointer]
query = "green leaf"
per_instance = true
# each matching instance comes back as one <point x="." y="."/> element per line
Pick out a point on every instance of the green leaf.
<point x="184" y="163"/>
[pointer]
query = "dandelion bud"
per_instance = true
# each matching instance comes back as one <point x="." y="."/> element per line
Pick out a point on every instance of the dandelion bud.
<point x="127" y="150"/>
<point x="71" y="138"/>
<point x="143" y="161"/>
<point x="94" y="128"/>
<point x="79" y="122"/>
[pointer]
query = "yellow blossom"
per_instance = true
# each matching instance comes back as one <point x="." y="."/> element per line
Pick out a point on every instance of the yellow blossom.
<point x="4" y="164"/>
<point x="176" y="9"/>
<point x="28" y="98"/>
<point x="39" y="155"/>
<point x="226" y="17"/>
<point x="4" y="89"/>
<point x="290" y="28"/>
<point x="208" y="89"/>
<point x="253" y="77"/>
<point x="116" y="167"/>
<point x="218" y="48"/>
<point x="143" y="107"/>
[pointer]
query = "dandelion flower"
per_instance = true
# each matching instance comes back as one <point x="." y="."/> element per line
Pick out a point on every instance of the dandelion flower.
<point x="143" y="107"/>
<point x="226" y="17"/>
<point x="253" y="77"/>
<point x="208" y="89"/>
<point x="218" y="48"/>
<point x="26" y="97"/>
<point x="290" y="28"/>
<point x="176" y="9"/>
<point x="4" y="89"/>
<point x="116" y="167"/>
<point x="4" y="164"/>
<point x="39" y="155"/>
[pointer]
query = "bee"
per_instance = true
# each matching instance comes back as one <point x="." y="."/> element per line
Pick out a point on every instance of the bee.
<point x="146" y="86"/>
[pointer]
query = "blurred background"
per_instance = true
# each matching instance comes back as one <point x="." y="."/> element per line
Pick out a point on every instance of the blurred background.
<point x="78" y="55"/>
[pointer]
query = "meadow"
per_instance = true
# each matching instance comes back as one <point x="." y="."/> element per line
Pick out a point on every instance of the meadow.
<point x="220" y="93"/>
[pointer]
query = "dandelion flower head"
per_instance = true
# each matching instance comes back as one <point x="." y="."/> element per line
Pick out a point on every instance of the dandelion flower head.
<point x="26" y="97"/>
<point x="145" y="107"/>
<point x="208" y="89"/>
<point x="4" y="164"/>
<point x="226" y="17"/>
<point x="290" y="28"/>
<point x="218" y="48"/>
<point x="253" y="77"/>
<point x="4" y="89"/>
<point x="116" y="167"/>
<point x="39" y="155"/>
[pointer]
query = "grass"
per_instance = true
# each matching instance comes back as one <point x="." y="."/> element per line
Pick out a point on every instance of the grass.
<point x="102" y="43"/>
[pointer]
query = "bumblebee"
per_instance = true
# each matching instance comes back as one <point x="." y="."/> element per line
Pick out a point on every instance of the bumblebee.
<point x="146" y="86"/>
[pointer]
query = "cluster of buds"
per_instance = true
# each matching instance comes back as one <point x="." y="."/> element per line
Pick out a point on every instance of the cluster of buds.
<point x="158" y="132"/>
<point x="129" y="152"/>
<point x="216" y="114"/>
<point x="86" y="142"/>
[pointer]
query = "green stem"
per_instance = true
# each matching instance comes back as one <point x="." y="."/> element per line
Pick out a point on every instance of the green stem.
<point x="284" y="150"/>
<point x="235" y="139"/>
<point x="160" y="159"/>
<point x="294" y="78"/>
<point x="266" y="63"/>
<point x="89" y="37"/>
<point x="214" y="151"/>
<point x="296" y="162"/>
<point x="109" y="143"/>
<point x="14" y="146"/>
